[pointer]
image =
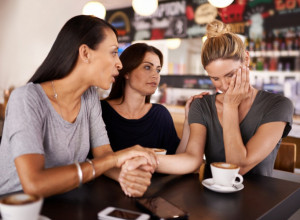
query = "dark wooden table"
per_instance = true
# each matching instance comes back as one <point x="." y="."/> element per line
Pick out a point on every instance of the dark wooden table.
<point x="262" y="198"/>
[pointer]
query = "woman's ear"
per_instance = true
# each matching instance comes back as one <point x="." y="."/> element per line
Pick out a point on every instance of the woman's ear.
<point x="247" y="58"/>
<point x="126" y="76"/>
<point x="84" y="53"/>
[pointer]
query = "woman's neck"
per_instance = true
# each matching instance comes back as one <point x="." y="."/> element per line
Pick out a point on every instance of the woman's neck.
<point x="132" y="107"/>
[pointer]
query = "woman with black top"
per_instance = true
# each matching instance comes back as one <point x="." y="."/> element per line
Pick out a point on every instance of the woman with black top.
<point x="129" y="116"/>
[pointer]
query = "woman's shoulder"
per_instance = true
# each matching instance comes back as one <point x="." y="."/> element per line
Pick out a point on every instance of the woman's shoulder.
<point x="104" y="103"/>
<point x="271" y="102"/>
<point x="159" y="108"/>
<point x="207" y="100"/>
<point x="27" y="92"/>
<point x="105" y="106"/>
<point x="273" y="98"/>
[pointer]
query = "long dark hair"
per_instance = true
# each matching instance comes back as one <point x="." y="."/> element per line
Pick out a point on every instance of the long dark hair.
<point x="81" y="29"/>
<point x="131" y="58"/>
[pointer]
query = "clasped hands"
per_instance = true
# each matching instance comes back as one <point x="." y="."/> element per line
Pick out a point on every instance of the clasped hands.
<point x="135" y="176"/>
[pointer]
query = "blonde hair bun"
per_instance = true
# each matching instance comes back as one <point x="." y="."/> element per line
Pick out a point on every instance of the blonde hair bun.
<point x="217" y="28"/>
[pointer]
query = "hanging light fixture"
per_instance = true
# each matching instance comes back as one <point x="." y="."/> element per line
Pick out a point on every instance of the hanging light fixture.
<point x="220" y="3"/>
<point x="173" y="43"/>
<point x="94" y="8"/>
<point x="143" y="7"/>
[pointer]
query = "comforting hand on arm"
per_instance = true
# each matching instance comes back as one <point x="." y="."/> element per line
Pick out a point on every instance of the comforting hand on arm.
<point x="186" y="128"/>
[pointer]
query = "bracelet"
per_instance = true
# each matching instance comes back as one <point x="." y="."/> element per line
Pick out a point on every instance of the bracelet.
<point x="79" y="173"/>
<point x="91" y="162"/>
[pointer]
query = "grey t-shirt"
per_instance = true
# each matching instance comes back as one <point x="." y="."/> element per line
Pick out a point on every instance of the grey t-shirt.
<point x="267" y="107"/>
<point x="32" y="126"/>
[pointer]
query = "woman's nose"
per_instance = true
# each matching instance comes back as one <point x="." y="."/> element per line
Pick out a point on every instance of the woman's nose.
<point x="155" y="74"/>
<point x="119" y="64"/>
<point x="225" y="84"/>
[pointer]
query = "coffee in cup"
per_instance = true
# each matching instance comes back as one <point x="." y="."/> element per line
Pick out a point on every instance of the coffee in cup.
<point x="160" y="151"/>
<point x="225" y="174"/>
<point x="20" y="206"/>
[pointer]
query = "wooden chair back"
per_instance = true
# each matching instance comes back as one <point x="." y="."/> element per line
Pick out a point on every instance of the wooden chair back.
<point x="286" y="157"/>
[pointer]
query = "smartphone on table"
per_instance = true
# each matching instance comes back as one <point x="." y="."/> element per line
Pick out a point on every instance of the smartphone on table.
<point x="161" y="209"/>
<point x="114" y="213"/>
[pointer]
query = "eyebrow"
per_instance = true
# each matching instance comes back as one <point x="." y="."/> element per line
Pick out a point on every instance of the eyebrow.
<point x="115" y="46"/>
<point x="150" y="63"/>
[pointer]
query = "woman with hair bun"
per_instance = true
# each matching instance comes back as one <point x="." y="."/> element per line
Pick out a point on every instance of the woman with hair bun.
<point x="239" y="124"/>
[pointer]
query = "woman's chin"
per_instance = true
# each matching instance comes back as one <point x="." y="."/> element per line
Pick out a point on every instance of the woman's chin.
<point x="104" y="87"/>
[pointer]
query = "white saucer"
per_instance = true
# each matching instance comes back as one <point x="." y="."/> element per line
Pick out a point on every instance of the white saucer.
<point x="209" y="183"/>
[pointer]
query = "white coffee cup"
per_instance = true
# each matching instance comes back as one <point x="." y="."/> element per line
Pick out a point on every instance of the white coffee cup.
<point x="160" y="151"/>
<point x="20" y="206"/>
<point x="225" y="174"/>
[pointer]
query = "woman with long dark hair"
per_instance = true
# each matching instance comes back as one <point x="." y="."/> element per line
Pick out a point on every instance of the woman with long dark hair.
<point x="52" y="121"/>
<point x="132" y="119"/>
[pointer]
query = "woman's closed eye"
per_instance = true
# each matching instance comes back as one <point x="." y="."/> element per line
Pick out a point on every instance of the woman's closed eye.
<point x="214" y="78"/>
<point x="230" y="75"/>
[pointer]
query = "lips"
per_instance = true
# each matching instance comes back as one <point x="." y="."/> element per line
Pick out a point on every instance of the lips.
<point x="153" y="84"/>
<point x="115" y="74"/>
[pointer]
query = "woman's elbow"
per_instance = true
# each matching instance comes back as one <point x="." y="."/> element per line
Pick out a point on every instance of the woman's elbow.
<point x="243" y="172"/>
<point x="245" y="168"/>
<point x="32" y="188"/>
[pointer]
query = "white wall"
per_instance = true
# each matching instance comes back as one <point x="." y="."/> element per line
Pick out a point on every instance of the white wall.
<point x="28" y="29"/>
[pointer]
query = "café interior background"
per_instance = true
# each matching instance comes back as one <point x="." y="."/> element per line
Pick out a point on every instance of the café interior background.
<point x="29" y="28"/>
